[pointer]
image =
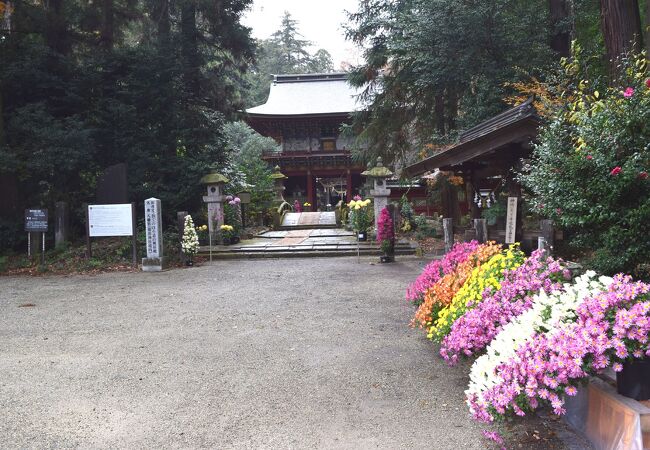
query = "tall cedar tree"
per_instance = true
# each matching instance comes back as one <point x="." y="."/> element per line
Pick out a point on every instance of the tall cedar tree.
<point x="283" y="53"/>
<point x="85" y="85"/>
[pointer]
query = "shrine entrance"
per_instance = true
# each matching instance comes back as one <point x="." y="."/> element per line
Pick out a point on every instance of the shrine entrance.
<point x="329" y="192"/>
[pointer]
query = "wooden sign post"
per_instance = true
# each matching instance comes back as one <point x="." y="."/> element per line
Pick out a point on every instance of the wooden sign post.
<point x="511" y="221"/>
<point x="112" y="220"/>
<point x="36" y="222"/>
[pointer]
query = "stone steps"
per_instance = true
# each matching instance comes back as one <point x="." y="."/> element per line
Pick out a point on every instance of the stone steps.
<point x="301" y="251"/>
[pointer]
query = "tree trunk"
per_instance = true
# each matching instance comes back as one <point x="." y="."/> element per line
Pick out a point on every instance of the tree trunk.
<point x="452" y="107"/>
<point x="107" y="33"/>
<point x="189" y="36"/>
<point x="163" y="24"/>
<point x="440" y="113"/>
<point x="621" y="27"/>
<point x="56" y="35"/>
<point x="2" y="121"/>
<point x="560" y="32"/>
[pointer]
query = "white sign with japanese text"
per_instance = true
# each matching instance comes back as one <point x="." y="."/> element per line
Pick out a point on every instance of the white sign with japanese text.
<point x="511" y="220"/>
<point x="110" y="220"/>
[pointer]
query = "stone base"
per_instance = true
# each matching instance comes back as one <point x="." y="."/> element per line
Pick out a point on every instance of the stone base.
<point x="608" y="419"/>
<point x="153" y="264"/>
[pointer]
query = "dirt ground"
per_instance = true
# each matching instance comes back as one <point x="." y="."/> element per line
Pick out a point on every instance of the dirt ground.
<point x="295" y="353"/>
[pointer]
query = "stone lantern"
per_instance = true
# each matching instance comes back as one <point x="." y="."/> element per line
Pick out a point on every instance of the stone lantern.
<point x="379" y="174"/>
<point x="278" y="185"/>
<point x="280" y="205"/>
<point x="215" y="199"/>
<point x="367" y="186"/>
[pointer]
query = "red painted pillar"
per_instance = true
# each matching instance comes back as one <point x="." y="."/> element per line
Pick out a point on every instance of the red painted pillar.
<point x="311" y="198"/>
<point x="348" y="192"/>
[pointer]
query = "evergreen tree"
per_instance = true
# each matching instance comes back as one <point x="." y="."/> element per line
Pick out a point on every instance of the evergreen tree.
<point x="85" y="85"/>
<point x="284" y="53"/>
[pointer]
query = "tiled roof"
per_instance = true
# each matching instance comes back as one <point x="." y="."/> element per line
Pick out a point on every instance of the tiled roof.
<point x="526" y="109"/>
<point x="515" y="125"/>
<point x="310" y="94"/>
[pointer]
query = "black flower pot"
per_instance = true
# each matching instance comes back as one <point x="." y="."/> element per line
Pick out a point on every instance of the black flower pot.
<point x="189" y="262"/>
<point x="362" y="236"/>
<point x="227" y="241"/>
<point x="634" y="380"/>
<point x="386" y="259"/>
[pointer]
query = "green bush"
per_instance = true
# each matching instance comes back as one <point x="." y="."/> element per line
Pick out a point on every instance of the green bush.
<point x="589" y="172"/>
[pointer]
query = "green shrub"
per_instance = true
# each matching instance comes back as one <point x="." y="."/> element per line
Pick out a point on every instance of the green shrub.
<point x="589" y="172"/>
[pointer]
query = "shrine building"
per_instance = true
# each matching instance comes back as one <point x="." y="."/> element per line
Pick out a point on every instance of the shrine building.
<point x="304" y="114"/>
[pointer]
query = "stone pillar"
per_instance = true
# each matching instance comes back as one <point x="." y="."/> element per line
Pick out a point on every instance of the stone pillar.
<point x="548" y="235"/>
<point x="215" y="199"/>
<point x="480" y="225"/>
<point x="61" y="224"/>
<point x="448" y="232"/>
<point x="379" y="174"/>
<point x="154" y="261"/>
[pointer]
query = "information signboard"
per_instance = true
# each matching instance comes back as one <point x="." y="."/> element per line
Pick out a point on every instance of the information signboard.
<point x="36" y="220"/>
<point x="511" y="220"/>
<point x="110" y="220"/>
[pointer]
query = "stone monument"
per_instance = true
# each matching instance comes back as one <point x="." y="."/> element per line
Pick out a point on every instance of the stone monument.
<point x="379" y="174"/>
<point x="154" y="261"/>
<point x="215" y="199"/>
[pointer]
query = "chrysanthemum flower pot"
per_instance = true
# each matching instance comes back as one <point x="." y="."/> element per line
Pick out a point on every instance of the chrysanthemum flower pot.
<point x="386" y="259"/>
<point x="634" y="380"/>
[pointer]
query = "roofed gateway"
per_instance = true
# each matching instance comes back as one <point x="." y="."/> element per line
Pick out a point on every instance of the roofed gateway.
<point x="304" y="114"/>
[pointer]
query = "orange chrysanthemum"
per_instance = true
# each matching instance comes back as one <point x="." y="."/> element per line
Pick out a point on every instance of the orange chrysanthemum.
<point x="442" y="292"/>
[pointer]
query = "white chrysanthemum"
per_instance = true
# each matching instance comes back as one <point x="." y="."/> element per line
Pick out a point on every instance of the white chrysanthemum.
<point x="548" y="313"/>
<point x="190" y="241"/>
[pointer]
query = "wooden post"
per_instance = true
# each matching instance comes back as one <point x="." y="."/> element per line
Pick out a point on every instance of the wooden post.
<point x="180" y="220"/>
<point x="448" y="232"/>
<point x="89" y="248"/>
<point x="470" y="190"/>
<point x="310" y="191"/>
<point x="480" y="225"/>
<point x="61" y="224"/>
<point x="134" y="237"/>
<point x="348" y="191"/>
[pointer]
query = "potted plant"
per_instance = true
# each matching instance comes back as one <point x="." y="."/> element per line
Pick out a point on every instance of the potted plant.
<point x="202" y="232"/>
<point x="190" y="241"/>
<point x="360" y="217"/>
<point x="232" y="214"/>
<point x="386" y="236"/>
<point x="227" y="234"/>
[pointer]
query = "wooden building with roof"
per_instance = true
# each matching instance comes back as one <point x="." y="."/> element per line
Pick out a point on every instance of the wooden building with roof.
<point x="304" y="114"/>
<point x="487" y="157"/>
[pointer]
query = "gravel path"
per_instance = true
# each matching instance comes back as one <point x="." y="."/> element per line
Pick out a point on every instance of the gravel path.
<point x="297" y="353"/>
